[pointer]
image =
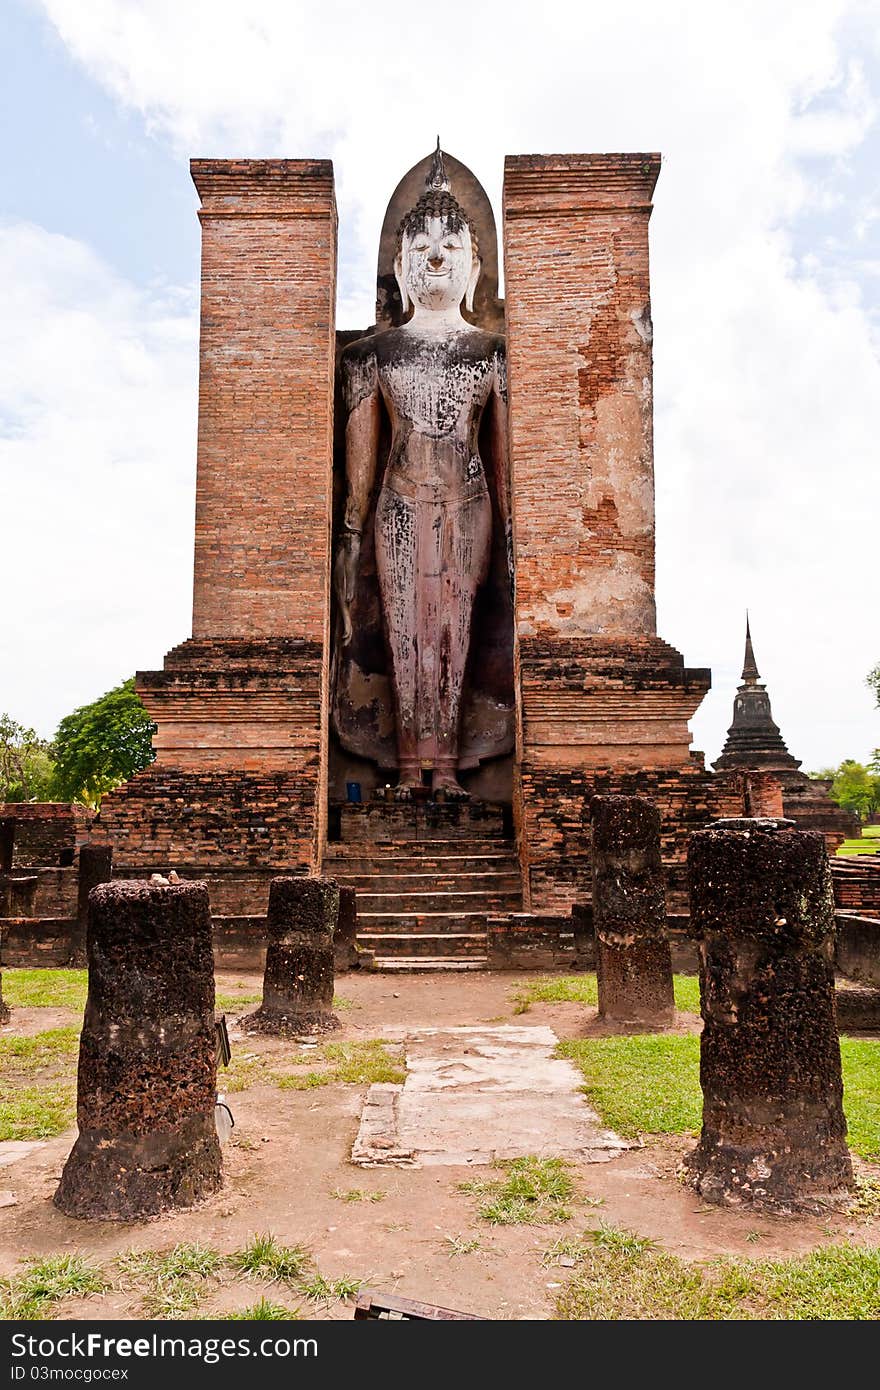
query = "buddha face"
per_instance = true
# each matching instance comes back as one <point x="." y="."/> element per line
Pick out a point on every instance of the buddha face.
<point x="437" y="268"/>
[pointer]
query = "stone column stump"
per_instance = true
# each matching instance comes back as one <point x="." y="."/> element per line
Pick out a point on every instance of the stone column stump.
<point x="298" y="979"/>
<point x="345" y="935"/>
<point x="762" y="910"/>
<point x="95" y="866"/>
<point x="147" y="1070"/>
<point x="633" y="960"/>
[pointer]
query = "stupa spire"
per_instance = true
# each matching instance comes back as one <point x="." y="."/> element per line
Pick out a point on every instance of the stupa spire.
<point x="750" y="667"/>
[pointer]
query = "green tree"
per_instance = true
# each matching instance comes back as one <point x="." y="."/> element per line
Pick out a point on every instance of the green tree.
<point x="26" y="766"/>
<point x="873" y="680"/>
<point x="101" y="745"/>
<point x="855" y="787"/>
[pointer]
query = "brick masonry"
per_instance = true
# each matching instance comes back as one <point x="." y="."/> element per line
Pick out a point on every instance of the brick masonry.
<point x="603" y="703"/>
<point x="42" y="833"/>
<point x="241" y="708"/>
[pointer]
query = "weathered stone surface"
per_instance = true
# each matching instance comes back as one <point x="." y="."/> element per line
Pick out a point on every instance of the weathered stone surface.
<point x="477" y="1095"/>
<point x="298" y="979"/>
<point x="147" y="1071"/>
<point x="95" y="866"/>
<point x="773" y="1125"/>
<point x="633" y="960"/>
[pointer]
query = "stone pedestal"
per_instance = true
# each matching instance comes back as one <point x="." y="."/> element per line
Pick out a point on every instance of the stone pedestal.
<point x="147" y="1071"/>
<point x="95" y="866"/>
<point x="773" y="1125"/>
<point x="604" y="704"/>
<point x="633" y="960"/>
<point x="241" y="708"/>
<point x="298" y="979"/>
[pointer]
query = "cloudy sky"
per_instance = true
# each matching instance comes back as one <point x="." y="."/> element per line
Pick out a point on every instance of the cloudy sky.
<point x="765" y="264"/>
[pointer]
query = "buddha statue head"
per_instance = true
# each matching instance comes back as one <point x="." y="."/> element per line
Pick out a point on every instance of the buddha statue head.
<point x="437" y="264"/>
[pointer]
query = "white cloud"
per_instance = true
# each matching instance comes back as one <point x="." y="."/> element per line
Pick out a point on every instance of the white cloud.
<point x="766" y="380"/>
<point x="97" y="442"/>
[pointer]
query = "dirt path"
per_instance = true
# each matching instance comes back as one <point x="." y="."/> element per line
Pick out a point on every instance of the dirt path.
<point x="290" y="1154"/>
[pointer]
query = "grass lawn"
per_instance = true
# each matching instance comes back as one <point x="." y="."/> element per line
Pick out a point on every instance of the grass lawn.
<point x="650" y="1084"/>
<point x="582" y="989"/>
<point x="38" y="1084"/>
<point x="177" y="1283"/>
<point x="621" y="1276"/>
<point x="45" y="989"/>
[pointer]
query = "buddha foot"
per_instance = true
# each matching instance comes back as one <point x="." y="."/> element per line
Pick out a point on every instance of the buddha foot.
<point x="452" y="790"/>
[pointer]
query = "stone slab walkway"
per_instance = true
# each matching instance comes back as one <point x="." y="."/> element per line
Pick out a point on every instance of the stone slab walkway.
<point x="478" y="1094"/>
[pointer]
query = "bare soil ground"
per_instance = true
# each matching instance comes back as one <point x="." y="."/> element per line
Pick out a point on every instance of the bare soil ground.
<point x="290" y="1153"/>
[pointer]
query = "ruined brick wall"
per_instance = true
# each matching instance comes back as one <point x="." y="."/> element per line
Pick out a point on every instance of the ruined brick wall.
<point x="557" y="839"/>
<point x="191" y="821"/>
<point x="250" y="706"/>
<point x="856" y="882"/>
<point x="45" y="833"/>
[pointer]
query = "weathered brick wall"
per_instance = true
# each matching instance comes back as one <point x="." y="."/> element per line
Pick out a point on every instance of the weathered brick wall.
<point x="856" y="882"/>
<point x="45" y="833"/>
<point x="604" y="704"/>
<point x="556" y="830"/>
<point x="167" y="818"/>
<point x="620" y="702"/>
<point x="263" y="490"/>
<point x="247" y="706"/>
<point x="579" y="362"/>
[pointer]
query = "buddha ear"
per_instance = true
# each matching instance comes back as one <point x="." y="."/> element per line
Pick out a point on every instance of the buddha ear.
<point x="476" y="267"/>
<point x="401" y="283"/>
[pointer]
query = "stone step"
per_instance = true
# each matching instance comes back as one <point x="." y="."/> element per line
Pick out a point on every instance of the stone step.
<point x="498" y="882"/>
<point x="412" y="863"/>
<point x="427" y="965"/>
<point x="418" y="851"/>
<point x="451" y="945"/>
<point x="439" y="923"/>
<point x="444" y="901"/>
<point x="405" y="820"/>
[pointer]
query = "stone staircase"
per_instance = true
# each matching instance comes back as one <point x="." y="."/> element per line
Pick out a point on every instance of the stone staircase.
<point x="427" y="876"/>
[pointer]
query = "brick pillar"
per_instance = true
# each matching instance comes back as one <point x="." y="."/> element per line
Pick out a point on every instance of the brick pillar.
<point x="633" y="960"/>
<point x="147" y="1070"/>
<point x="298" y="978"/>
<point x="579" y="358"/>
<point x="241" y="708"/>
<point x="762" y="909"/>
<point x="263" y="490"/>
<point x="603" y="703"/>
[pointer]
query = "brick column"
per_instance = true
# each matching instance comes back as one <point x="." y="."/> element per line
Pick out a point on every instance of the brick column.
<point x="263" y="491"/>
<point x="601" y="698"/>
<point x="241" y="708"/>
<point x="579" y="349"/>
